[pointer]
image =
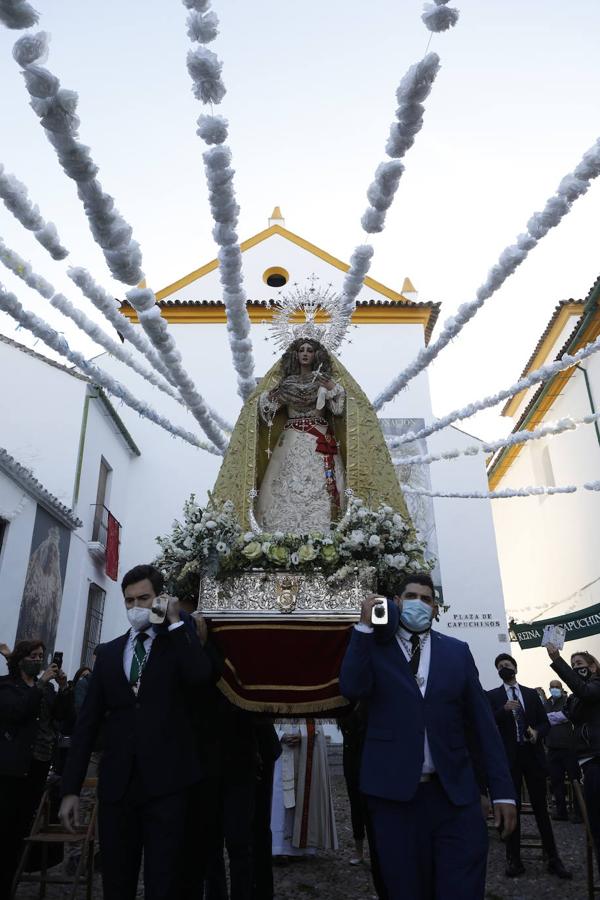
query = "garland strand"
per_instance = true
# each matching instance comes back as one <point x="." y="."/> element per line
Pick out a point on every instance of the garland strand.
<point x="569" y="190"/>
<point x="144" y="301"/>
<point x="56" y="109"/>
<point x="517" y="437"/>
<point x="16" y="199"/>
<point x="505" y="494"/>
<point x="17" y="14"/>
<point x="40" y="329"/>
<point x="413" y="89"/>
<point x="106" y="305"/>
<point x="22" y="269"/>
<point x="204" y="68"/>
<point x="544" y="373"/>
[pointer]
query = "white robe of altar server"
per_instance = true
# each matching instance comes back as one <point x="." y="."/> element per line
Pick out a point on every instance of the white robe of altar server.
<point x="292" y="804"/>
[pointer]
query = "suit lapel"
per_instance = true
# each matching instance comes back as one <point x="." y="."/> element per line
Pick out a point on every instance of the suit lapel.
<point x="403" y="662"/>
<point x="121" y="680"/>
<point x="435" y="649"/>
<point x="159" y="645"/>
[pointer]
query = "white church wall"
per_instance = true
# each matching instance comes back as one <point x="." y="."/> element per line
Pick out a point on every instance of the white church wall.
<point x="40" y="418"/>
<point x="468" y="555"/>
<point x="548" y="547"/>
<point x="102" y="440"/>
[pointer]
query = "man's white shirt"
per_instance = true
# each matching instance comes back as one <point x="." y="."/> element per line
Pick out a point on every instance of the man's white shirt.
<point x="130" y="644"/>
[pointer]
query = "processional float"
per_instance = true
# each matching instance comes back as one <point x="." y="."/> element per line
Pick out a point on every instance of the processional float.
<point x="305" y="518"/>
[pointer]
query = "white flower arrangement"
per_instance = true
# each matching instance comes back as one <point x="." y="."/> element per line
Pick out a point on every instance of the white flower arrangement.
<point x="211" y="541"/>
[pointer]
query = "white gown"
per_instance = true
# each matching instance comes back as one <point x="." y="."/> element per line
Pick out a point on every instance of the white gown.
<point x="293" y="496"/>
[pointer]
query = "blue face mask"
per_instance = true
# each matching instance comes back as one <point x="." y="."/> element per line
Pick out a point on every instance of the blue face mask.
<point x="416" y="615"/>
<point x="555" y="692"/>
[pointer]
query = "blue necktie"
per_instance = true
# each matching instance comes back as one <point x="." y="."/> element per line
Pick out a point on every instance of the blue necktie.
<point x="519" y="718"/>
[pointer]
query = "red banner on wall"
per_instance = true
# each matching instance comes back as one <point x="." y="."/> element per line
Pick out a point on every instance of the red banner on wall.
<point x="112" y="547"/>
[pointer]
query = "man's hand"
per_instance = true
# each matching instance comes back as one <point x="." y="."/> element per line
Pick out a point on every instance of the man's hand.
<point x="292" y="740"/>
<point x="367" y="608"/>
<point x="5" y="650"/>
<point x="486" y="806"/>
<point x="69" y="812"/>
<point x="511" y="704"/>
<point x="505" y="818"/>
<point x="173" y="611"/>
<point x="201" y="627"/>
<point x="532" y="735"/>
<point x="61" y="680"/>
<point x="553" y="651"/>
<point x="50" y="673"/>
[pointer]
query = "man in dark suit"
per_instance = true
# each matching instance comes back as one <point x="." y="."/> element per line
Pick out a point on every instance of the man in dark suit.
<point x="523" y="724"/>
<point x="140" y="692"/>
<point x="426" y="711"/>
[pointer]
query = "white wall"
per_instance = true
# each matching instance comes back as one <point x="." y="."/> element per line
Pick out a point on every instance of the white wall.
<point x="548" y="546"/>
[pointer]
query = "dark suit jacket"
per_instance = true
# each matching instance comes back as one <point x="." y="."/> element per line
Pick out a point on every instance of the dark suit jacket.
<point x="154" y="730"/>
<point x="535" y="715"/>
<point x="454" y="711"/>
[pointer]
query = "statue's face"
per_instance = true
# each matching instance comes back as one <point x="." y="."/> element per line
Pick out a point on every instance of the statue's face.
<point x="306" y="355"/>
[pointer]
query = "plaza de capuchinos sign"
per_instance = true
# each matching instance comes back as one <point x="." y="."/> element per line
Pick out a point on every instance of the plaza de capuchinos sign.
<point x="580" y="624"/>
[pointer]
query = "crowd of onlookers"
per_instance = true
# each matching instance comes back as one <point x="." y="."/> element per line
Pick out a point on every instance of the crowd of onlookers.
<point x="186" y="774"/>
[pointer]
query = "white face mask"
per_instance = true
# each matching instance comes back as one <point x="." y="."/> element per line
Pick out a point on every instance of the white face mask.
<point x="139" y="617"/>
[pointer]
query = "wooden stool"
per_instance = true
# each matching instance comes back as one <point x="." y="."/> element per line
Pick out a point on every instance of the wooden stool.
<point x="43" y="833"/>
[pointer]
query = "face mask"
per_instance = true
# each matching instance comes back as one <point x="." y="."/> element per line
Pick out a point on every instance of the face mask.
<point x="139" y="617"/>
<point x="583" y="672"/>
<point x="31" y="667"/>
<point x="416" y="615"/>
<point x="506" y="673"/>
<point x="555" y="692"/>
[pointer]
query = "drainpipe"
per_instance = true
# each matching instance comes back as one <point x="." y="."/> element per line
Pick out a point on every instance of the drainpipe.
<point x="590" y="397"/>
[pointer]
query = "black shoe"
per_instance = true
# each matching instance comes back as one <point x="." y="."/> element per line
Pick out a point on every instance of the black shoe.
<point x="514" y="868"/>
<point x="555" y="867"/>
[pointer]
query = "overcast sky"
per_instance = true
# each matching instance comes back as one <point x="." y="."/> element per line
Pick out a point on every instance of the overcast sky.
<point x="310" y="100"/>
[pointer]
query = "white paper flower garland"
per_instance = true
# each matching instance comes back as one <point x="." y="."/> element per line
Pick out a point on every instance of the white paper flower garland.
<point x="16" y="199"/>
<point x="144" y="302"/>
<point x="544" y="373"/>
<point x="106" y="304"/>
<point x="40" y="329"/>
<point x="204" y="68"/>
<point x="438" y="16"/>
<point x="514" y="439"/>
<point x="569" y="190"/>
<point x="17" y="14"/>
<point x="56" y="109"/>
<point x="412" y="91"/>
<point x="22" y="269"/>
<point x="505" y="494"/>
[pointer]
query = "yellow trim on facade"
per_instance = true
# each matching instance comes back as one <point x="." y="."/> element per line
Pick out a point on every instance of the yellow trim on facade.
<point x="566" y="312"/>
<point x="295" y="239"/>
<point x="275" y="270"/>
<point x="215" y="315"/>
<point x="557" y="386"/>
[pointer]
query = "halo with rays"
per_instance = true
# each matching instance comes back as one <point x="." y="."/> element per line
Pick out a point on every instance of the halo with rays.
<point x="308" y="311"/>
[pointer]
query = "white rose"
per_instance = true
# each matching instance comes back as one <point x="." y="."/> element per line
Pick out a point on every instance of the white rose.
<point x="387" y="510"/>
<point x="400" y="561"/>
<point x="188" y="543"/>
<point x="363" y="513"/>
<point x="198" y="528"/>
<point x="357" y="537"/>
<point x="210" y="524"/>
<point x="374" y="541"/>
<point x="249" y="536"/>
<point x="278" y="535"/>
<point x="265" y="547"/>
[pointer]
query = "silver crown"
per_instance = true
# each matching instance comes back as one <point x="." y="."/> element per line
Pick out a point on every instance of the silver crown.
<point x="310" y="312"/>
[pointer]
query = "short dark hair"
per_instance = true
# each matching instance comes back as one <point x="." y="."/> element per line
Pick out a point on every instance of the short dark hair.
<point x="507" y="657"/>
<point x="423" y="578"/>
<point x="21" y="650"/>
<point x="139" y="573"/>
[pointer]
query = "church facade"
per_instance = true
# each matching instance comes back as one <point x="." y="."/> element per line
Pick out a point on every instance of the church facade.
<point x="389" y="327"/>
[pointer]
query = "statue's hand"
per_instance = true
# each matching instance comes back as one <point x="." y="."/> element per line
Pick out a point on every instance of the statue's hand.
<point x="327" y="383"/>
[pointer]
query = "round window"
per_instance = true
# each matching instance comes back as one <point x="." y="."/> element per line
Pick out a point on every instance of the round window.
<point x="276" y="277"/>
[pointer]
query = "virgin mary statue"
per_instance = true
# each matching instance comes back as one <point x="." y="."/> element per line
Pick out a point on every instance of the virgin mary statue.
<point x="306" y="437"/>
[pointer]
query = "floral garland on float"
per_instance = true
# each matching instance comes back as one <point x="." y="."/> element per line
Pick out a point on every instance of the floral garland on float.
<point x="212" y="541"/>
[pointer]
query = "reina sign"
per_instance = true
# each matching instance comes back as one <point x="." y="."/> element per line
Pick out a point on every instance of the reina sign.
<point x="580" y="624"/>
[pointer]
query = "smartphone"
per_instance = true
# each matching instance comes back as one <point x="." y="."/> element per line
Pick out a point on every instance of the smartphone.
<point x="57" y="659"/>
<point x="158" y="610"/>
<point x="379" y="613"/>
